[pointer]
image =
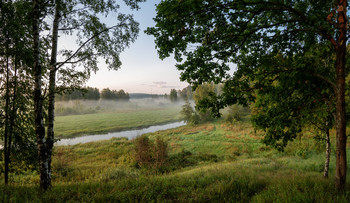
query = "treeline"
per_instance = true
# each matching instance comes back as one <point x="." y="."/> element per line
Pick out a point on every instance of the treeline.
<point x="90" y="93"/>
<point x="184" y="94"/>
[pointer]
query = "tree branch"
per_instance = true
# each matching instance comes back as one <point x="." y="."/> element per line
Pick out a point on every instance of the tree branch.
<point x="73" y="62"/>
<point x="59" y="65"/>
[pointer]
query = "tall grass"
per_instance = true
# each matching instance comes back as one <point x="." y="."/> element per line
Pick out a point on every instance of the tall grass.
<point x="212" y="162"/>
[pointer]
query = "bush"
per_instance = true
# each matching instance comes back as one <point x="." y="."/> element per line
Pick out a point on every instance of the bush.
<point x="160" y="153"/>
<point x="187" y="112"/>
<point x="181" y="160"/>
<point x="150" y="155"/>
<point x="235" y="114"/>
<point x="193" y="117"/>
<point x="205" y="115"/>
<point x="143" y="154"/>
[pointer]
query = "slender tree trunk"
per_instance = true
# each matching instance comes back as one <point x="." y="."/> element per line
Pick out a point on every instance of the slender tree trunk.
<point x="340" y="168"/>
<point x="328" y="154"/>
<point x="14" y="108"/>
<point x="52" y="83"/>
<point x="45" y="176"/>
<point x="10" y="118"/>
<point x="6" y="131"/>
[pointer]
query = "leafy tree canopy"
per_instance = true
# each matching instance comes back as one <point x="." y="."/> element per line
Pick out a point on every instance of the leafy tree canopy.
<point x="207" y="37"/>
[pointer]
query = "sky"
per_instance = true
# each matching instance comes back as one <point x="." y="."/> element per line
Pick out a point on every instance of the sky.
<point x="142" y="71"/>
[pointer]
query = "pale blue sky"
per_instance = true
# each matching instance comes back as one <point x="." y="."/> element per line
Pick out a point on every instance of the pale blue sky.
<point x="142" y="70"/>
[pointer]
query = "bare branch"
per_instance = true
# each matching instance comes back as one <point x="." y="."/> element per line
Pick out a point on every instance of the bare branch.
<point x="87" y="41"/>
<point x="73" y="62"/>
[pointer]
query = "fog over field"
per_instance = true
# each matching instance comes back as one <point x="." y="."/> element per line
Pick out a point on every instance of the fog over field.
<point x="75" y="107"/>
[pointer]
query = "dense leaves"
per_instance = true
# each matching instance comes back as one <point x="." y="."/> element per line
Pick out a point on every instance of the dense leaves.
<point x="294" y="93"/>
<point x="208" y="37"/>
<point x="214" y="34"/>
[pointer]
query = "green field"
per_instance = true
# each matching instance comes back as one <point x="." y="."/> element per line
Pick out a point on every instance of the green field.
<point x="114" y="120"/>
<point x="211" y="162"/>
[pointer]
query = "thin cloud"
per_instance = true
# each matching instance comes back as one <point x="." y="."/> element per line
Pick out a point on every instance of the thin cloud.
<point x="159" y="83"/>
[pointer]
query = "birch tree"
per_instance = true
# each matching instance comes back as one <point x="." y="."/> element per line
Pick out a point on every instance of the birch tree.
<point x="95" y="40"/>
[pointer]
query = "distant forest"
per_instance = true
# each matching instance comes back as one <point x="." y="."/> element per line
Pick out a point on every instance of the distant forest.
<point x="90" y="93"/>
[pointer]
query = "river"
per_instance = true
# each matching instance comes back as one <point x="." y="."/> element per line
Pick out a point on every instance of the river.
<point x="130" y="134"/>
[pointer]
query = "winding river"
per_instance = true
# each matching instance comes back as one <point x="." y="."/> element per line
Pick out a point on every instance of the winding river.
<point x="130" y="134"/>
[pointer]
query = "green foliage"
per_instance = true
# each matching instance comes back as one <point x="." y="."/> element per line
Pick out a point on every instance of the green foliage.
<point x="173" y="95"/>
<point x="16" y="86"/>
<point x="188" y="113"/>
<point x="181" y="160"/>
<point x="120" y="95"/>
<point x="223" y="31"/>
<point x="200" y="96"/>
<point x="87" y="93"/>
<point x="235" y="114"/>
<point x="273" y="54"/>
<point x="308" y="100"/>
<point x="186" y="93"/>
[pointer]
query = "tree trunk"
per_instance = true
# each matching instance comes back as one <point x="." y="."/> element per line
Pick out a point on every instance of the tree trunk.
<point x="328" y="154"/>
<point x="45" y="176"/>
<point x="52" y="84"/>
<point x="340" y="168"/>
<point x="6" y="131"/>
<point x="14" y="108"/>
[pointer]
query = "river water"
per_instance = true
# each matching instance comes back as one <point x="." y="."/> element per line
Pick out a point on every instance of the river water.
<point x="130" y="134"/>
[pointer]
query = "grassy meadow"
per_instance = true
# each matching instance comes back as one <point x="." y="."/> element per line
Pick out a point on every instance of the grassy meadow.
<point x="76" y="118"/>
<point x="210" y="162"/>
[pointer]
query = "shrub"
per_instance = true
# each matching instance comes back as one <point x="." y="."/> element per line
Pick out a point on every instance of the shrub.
<point x="187" y="112"/>
<point x="160" y="153"/>
<point x="205" y="115"/>
<point x="150" y="155"/>
<point x="193" y="117"/>
<point x="235" y="113"/>
<point x="143" y="153"/>
<point x="181" y="160"/>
